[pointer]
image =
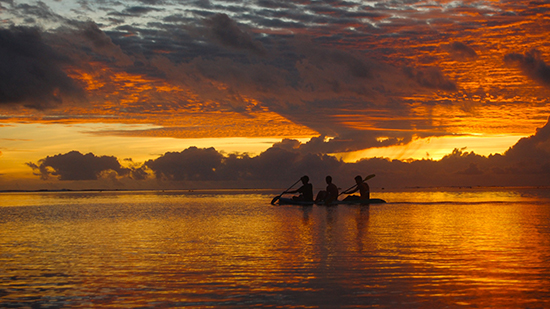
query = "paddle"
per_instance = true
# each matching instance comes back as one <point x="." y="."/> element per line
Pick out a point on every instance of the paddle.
<point x="275" y="199"/>
<point x="366" y="178"/>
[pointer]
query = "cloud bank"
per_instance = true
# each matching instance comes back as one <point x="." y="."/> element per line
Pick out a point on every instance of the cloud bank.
<point x="221" y="62"/>
<point x="76" y="166"/>
<point x="525" y="164"/>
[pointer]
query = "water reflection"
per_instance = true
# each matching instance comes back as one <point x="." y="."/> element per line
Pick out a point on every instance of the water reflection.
<point x="362" y="223"/>
<point x="428" y="249"/>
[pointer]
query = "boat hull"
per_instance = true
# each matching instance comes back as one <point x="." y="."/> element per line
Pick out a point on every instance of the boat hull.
<point x="359" y="202"/>
<point x="289" y="201"/>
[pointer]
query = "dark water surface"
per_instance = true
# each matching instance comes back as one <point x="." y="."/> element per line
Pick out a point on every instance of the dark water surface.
<point x="429" y="249"/>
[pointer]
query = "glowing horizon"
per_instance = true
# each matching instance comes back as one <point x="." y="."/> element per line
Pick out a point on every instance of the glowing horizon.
<point x="403" y="81"/>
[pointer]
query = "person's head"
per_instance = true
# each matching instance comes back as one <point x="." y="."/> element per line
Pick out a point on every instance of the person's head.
<point x="328" y="179"/>
<point x="358" y="179"/>
<point x="305" y="179"/>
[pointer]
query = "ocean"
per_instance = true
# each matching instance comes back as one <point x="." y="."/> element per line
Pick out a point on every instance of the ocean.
<point x="425" y="248"/>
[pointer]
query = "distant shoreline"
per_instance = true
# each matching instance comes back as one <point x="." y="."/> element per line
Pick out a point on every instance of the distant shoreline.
<point x="270" y="190"/>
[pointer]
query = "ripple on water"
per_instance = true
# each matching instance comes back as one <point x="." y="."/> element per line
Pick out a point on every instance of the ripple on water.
<point x="148" y="249"/>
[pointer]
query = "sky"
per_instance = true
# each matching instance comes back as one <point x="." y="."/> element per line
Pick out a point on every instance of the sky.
<point x="168" y="94"/>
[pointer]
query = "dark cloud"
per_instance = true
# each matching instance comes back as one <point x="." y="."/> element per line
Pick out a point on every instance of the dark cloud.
<point x="309" y="84"/>
<point x="431" y="77"/>
<point x="532" y="64"/>
<point x="525" y="164"/>
<point x="461" y="51"/>
<point x="76" y="166"/>
<point x="134" y="11"/>
<point x="152" y="2"/>
<point x="275" y="4"/>
<point x="138" y="171"/>
<point x="272" y="166"/>
<point x="228" y="33"/>
<point x="92" y="32"/>
<point x="39" y="11"/>
<point x="351" y="141"/>
<point x="471" y="170"/>
<point x="101" y="44"/>
<point x="190" y="164"/>
<point x="139" y="10"/>
<point x="31" y="72"/>
<point x="531" y="152"/>
<point x="357" y="66"/>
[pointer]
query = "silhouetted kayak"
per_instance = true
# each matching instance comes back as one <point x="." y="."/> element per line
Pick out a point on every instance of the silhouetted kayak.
<point x="356" y="202"/>
<point x="289" y="201"/>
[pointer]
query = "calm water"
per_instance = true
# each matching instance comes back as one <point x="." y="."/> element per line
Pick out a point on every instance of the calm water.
<point x="430" y="249"/>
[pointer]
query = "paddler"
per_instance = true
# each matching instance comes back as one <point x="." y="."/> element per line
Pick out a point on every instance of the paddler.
<point x="363" y="189"/>
<point x="306" y="191"/>
<point x="328" y="195"/>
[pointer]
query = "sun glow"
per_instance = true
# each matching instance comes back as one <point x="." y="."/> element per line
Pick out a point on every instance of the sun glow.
<point x="437" y="147"/>
<point x="51" y="139"/>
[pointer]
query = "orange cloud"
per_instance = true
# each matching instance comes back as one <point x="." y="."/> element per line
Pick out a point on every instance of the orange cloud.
<point x="115" y="96"/>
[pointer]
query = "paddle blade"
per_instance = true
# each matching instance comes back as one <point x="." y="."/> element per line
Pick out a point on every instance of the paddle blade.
<point x="275" y="199"/>
<point x="369" y="177"/>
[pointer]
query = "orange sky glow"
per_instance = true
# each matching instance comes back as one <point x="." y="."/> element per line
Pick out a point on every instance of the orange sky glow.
<point x="401" y="81"/>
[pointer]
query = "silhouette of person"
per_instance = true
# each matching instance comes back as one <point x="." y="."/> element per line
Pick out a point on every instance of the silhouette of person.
<point x="306" y="191"/>
<point x="328" y="195"/>
<point x="332" y="191"/>
<point x="363" y="189"/>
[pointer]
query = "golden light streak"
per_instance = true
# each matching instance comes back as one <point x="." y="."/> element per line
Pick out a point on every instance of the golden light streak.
<point x="450" y="119"/>
<point x="436" y="148"/>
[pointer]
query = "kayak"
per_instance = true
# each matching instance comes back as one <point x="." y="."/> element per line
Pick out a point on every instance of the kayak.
<point x="289" y="201"/>
<point x="358" y="202"/>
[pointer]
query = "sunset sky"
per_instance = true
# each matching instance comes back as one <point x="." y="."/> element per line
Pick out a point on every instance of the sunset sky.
<point x="179" y="94"/>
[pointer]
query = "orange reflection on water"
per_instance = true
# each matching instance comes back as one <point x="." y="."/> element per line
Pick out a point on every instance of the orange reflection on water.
<point x="466" y="240"/>
<point x="446" y="248"/>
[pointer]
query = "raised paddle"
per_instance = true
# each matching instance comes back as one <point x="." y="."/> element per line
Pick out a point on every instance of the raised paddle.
<point x="366" y="178"/>
<point x="275" y="199"/>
